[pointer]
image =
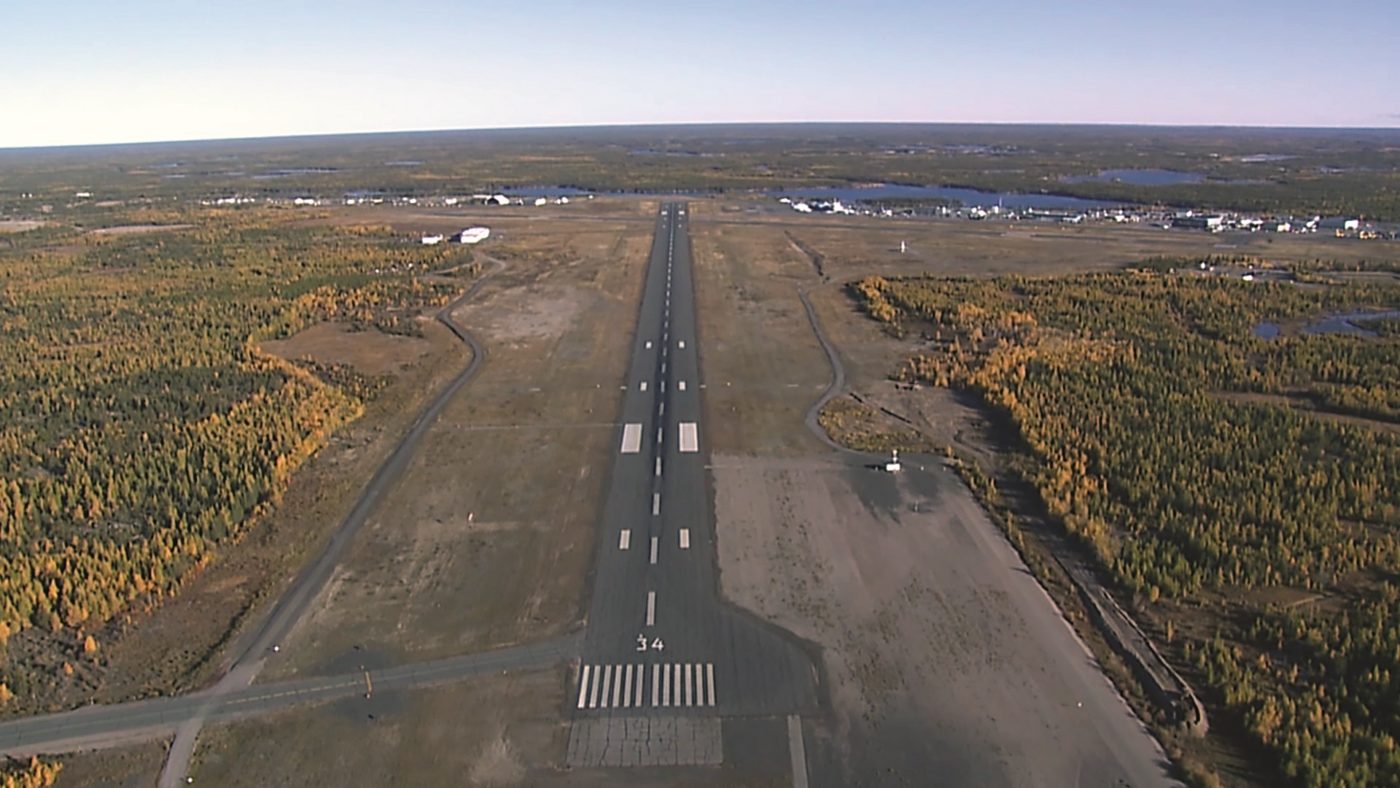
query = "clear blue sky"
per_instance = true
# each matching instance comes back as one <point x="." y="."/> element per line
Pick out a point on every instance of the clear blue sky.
<point x="90" y="71"/>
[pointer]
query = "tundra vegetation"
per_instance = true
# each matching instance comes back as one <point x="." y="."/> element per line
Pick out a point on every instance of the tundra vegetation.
<point x="1244" y="491"/>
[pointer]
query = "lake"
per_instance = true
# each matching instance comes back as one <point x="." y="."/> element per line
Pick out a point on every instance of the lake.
<point x="953" y="194"/>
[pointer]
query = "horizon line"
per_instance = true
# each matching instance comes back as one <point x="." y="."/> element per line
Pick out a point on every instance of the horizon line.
<point x="689" y="124"/>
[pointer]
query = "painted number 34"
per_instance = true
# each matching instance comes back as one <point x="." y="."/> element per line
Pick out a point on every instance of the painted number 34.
<point x="655" y="645"/>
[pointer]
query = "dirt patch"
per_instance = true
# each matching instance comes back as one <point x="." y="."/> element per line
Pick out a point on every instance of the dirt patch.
<point x="127" y="767"/>
<point x="370" y="351"/>
<point x="486" y="541"/>
<point x="497" y="730"/>
<point x="19" y="225"/>
<point x="547" y="313"/>
<point x="761" y="366"/>
<point x="135" y="229"/>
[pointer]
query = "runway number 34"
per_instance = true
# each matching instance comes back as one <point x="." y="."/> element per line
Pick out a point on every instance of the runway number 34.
<point x="655" y="645"/>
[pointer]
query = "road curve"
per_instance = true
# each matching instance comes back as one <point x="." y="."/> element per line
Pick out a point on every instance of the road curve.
<point x="252" y="648"/>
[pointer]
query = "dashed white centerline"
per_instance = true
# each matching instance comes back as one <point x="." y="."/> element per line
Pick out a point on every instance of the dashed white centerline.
<point x="658" y="466"/>
<point x="661" y="411"/>
<point x="659" y="434"/>
<point x="655" y="504"/>
<point x="651" y="608"/>
<point x="644" y="385"/>
<point x="648" y="344"/>
<point x="653" y="549"/>
<point x="680" y="385"/>
<point x="682" y="344"/>
<point x="624" y="539"/>
<point x="685" y="538"/>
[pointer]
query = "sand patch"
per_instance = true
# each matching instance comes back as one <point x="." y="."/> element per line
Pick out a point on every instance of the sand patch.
<point x="19" y="225"/>
<point x="371" y="352"/>
<point x="529" y="313"/>
<point x="133" y="229"/>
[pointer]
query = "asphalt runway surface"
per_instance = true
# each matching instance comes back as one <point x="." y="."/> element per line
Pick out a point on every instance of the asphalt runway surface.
<point x="660" y="642"/>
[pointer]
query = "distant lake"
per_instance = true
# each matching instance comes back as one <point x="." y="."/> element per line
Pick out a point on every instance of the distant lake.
<point x="871" y="193"/>
<point x="1138" y="177"/>
<point x="953" y="194"/>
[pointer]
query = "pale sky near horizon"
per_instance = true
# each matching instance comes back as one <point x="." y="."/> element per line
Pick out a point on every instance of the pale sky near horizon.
<point x="85" y="71"/>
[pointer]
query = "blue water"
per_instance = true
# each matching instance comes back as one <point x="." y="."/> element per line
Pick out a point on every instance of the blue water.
<point x="1138" y="177"/>
<point x="955" y="194"/>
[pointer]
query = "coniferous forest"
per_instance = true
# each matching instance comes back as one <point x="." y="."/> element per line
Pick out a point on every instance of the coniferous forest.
<point x="141" y="427"/>
<point x="1204" y="465"/>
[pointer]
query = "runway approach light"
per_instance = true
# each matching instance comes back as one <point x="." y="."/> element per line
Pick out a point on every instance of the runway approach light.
<point x="893" y="465"/>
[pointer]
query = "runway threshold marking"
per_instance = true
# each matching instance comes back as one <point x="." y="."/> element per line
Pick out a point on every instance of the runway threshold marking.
<point x="685" y="538"/>
<point x="632" y="438"/>
<point x="624" y="539"/>
<point x="583" y="685"/>
<point x="797" y="750"/>
<point x="690" y="441"/>
<point x="651" y="607"/>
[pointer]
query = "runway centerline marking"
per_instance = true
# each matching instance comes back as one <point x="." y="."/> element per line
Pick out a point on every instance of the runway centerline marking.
<point x="682" y="343"/>
<point x="654" y="542"/>
<point x="648" y="344"/>
<point x="685" y="538"/>
<point x="680" y="385"/>
<point x="644" y="385"/>
<point x="651" y="608"/>
<point x="655" y="504"/>
<point x="632" y="438"/>
<point x="624" y="539"/>
<point x="658" y="466"/>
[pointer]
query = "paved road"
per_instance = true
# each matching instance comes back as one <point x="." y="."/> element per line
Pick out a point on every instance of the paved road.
<point x="106" y="726"/>
<point x="660" y="642"/>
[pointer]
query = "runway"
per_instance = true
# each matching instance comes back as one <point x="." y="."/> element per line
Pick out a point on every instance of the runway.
<point x="659" y="641"/>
